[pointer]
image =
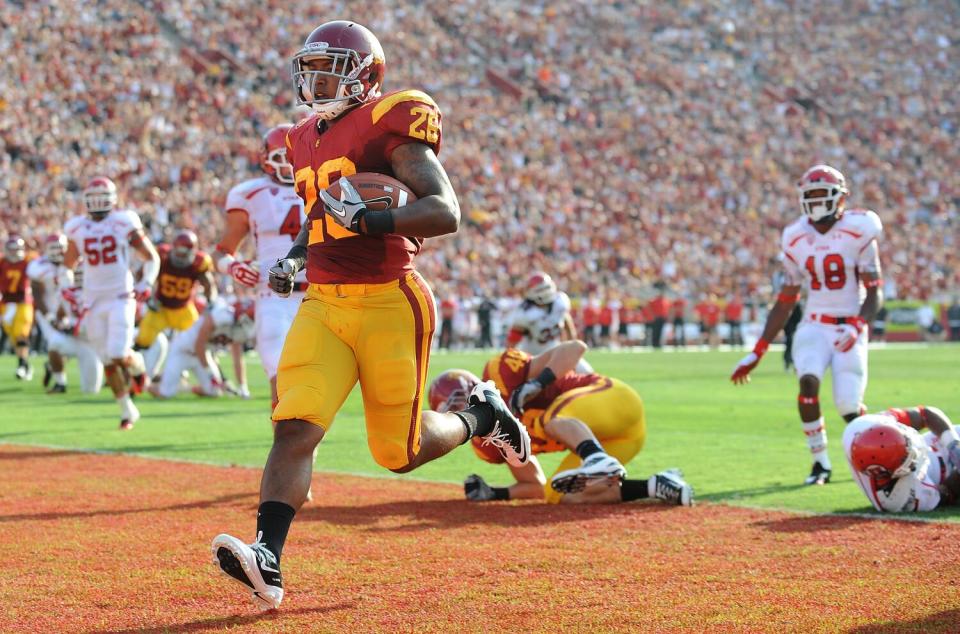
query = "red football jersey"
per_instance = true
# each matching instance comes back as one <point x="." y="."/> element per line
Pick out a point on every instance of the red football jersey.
<point x="360" y="141"/>
<point x="14" y="284"/>
<point x="175" y="283"/>
<point x="511" y="369"/>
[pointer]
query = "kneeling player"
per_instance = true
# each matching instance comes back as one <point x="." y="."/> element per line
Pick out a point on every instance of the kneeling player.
<point x="899" y="470"/>
<point x="600" y="420"/>
<point x="189" y="350"/>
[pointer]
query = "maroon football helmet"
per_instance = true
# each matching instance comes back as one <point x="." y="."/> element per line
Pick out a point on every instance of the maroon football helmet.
<point x="184" y="248"/>
<point x="357" y="63"/>
<point x="15" y="249"/>
<point x="273" y="156"/>
<point x="449" y="391"/>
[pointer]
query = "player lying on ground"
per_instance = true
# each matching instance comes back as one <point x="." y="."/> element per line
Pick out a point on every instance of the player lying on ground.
<point x="190" y="350"/>
<point x="832" y="253"/>
<point x="899" y="470"/>
<point x="598" y="419"/>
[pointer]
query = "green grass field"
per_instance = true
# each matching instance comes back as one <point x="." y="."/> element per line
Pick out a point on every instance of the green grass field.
<point x="738" y="445"/>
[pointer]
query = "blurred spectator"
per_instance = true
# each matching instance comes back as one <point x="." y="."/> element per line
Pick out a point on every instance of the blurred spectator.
<point x="678" y="315"/>
<point x="733" y="313"/>
<point x="953" y="319"/>
<point x="448" y="310"/>
<point x="879" y="330"/>
<point x="708" y="312"/>
<point x="659" y="311"/>
<point x="484" y="318"/>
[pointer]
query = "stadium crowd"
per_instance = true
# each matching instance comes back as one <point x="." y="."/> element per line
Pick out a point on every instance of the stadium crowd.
<point x="613" y="144"/>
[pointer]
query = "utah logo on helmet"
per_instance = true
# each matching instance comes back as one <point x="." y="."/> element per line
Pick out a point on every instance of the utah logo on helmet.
<point x="540" y="289"/>
<point x="356" y="62"/>
<point x="884" y="453"/>
<point x="828" y="205"/>
<point x="273" y="155"/>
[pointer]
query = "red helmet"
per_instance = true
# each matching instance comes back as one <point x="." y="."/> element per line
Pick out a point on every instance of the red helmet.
<point x="540" y="289"/>
<point x="54" y="247"/>
<point x="100" y="197"/>
<point x="184" y="249"/>
<point x="822" y="178"/>
<point x="884" y="452"/>
<point x="273" y="156"/>
<point x="356" y="62"/>
<point x="15" y="249"/>
<point x="449" y="391"/>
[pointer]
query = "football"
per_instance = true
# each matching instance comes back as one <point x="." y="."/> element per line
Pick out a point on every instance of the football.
<point x="378" y="191"/>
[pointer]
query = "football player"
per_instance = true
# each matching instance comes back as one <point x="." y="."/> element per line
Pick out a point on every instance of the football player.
<point x="543" y="319"/>
<point x="832" y="253"/>
<point x="367" y="315"/>
<point x="45" y="273"/>
<point x="899" y="470"/>
<point x="268" y="209"/>
<point x="182" y="265"/>
<point x="105" y="238"/>
<point x="16" y="302"/>
<point x="190" y="351"/>
<point x="598" y="419"/>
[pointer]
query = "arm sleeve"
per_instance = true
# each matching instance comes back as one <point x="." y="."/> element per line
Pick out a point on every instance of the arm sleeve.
<point x="869" y="258"/>
<point x="409" y="116"/>
<point x="236" y="201"/>
<point x="792" y="275"/>
<point x="509" y="370"/>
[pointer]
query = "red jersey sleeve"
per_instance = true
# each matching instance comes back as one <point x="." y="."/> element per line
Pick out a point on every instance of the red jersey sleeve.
<point x="509" y="370"/>
<point x="408" y="116"/>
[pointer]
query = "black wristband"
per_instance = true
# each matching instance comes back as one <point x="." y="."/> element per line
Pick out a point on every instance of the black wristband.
<point x="377" y="223"/>
<point x="546" y="377"/>
<point x="298" y="254"/>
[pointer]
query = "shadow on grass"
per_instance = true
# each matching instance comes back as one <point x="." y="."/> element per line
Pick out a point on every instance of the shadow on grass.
<point x="204" y="625"/>
<point x="948" y="621"/>
<point x="61" y="515"/>
<point x="739" y="494"/>
<point x="31" y="454"/>
<point x="429" y="514"/>
<point x="810" y="524"/>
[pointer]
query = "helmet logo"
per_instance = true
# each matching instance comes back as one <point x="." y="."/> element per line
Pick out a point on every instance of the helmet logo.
<point x="317" y="46"/>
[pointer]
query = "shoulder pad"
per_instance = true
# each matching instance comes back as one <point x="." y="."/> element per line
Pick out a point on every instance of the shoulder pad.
<point x="386" y="103"/>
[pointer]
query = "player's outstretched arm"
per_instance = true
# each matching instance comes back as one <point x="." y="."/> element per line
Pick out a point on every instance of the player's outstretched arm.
<point x="530" y="481"/>
<point x="776" y="319"/>
<point x="151" y="262"/>
<point x="545" y="368"/>
<point x="224" y="258"/>
<point x="436" y="211"/>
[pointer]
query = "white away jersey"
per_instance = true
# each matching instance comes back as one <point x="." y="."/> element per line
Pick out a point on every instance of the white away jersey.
<point x="105" y="249"/>
<point x="225" y="324"/>
<point x="542" y="323"/>
<point x="828" y="265"/>
<point x="45" y="272"/>
<point x="917" y="491"/>
<point x="275" y="214"/>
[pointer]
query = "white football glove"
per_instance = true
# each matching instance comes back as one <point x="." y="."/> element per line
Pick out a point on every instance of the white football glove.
<point x="848" y="333"/>
<point x="244" y="273"/>
<point x="142" y="290"/>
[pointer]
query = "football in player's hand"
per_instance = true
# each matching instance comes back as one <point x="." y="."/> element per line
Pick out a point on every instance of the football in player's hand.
<point x="378" y="191"/>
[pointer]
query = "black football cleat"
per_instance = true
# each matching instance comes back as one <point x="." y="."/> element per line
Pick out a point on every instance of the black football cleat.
<point x="509" y="435"/>
<point x="819" y="475"/>
<point x="253" y="566"/>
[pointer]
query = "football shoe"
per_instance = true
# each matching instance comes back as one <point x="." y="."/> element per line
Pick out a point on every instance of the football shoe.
<point x="597" y="468"/>
<point x="508" y="435"/>
<point x="252" y="565"/>
<point x="819" y="475"/>
<point x="670" y="487"/>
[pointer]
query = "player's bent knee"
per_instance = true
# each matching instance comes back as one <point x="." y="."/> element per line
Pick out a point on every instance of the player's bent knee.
<point x="391" y="454"/>
<point x="297" y="435"/>
<point x="809" y="384"/>
<point x="300" y="402"/>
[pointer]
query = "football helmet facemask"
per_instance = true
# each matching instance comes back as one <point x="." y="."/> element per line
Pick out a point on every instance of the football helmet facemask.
<point x="357" y="64"/>
<point x="273" y="156"/>
<point x="100" y="197"/>
<point x="184" y="248"/>
<point x="449" y="391"/>
<point x="829" y="205"/>
<point x="54" y="247"/>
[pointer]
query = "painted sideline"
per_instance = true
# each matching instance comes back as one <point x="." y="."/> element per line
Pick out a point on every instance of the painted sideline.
<point x="390" y="476"/>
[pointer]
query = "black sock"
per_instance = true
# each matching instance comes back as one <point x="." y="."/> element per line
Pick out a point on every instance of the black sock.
<point x="273" y="522"/>
<point x="478" y="419"/>
<point x="21" y="362"/>
<point x="587" y="448"/>
<point x="633" y="490"/>
<point x="501" y="493"/>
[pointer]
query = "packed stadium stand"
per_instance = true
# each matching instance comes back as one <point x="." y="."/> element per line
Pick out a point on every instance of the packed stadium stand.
<point x="613" y="144"/>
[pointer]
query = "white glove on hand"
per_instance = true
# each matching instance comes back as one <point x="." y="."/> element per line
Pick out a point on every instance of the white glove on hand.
<point x="142" y="290"/>
<point x="244" y="273"/>
<point x="848" y="334"/>
<point x="281" y="277"/>
<point x="522" y="394"/>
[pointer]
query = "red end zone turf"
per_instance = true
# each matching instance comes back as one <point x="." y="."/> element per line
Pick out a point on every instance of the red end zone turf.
<point x="120" y="544"/>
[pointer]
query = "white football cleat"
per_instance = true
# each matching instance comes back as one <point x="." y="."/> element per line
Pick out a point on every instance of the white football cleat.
<point x="671" y="488"/>
<point x="253" y="566"/>
<point x="598" y="467"/>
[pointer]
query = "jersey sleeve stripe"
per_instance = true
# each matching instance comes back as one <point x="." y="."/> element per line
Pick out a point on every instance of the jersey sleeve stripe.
<point x="256" y="191"/>
<point x="387" y="103"/>
<point x="239" y="209"/>
<point x="565" y="399"/>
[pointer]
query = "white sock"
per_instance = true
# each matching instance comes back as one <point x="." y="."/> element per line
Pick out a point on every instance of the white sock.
<point x="59" y="378"/>
<point x="125" y="404"/>
<point x="816" y="432"/>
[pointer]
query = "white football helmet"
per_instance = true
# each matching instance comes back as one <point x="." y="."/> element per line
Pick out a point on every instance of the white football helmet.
<point x="100" y="197"/>
<point x="540" y="289"/>
<point x="822" y="178"/>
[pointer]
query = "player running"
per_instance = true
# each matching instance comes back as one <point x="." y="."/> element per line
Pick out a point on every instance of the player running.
<point x="268" y="209"/>
<point x="367" y="316"/>
<point x="899" y="470"/>
<point x="105" y="238"/>
<point x="16" y="303"/>
<point x="833" y="254"/>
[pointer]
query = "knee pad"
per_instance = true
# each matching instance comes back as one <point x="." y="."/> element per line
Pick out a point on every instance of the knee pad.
<point x="390" y="453"/>
<point x="394" y="382"/>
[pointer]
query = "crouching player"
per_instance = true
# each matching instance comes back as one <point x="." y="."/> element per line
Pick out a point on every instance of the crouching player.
<point x="598" y="419"/>
<point x="221" y="323"/>
<point x="899" y="470"/>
